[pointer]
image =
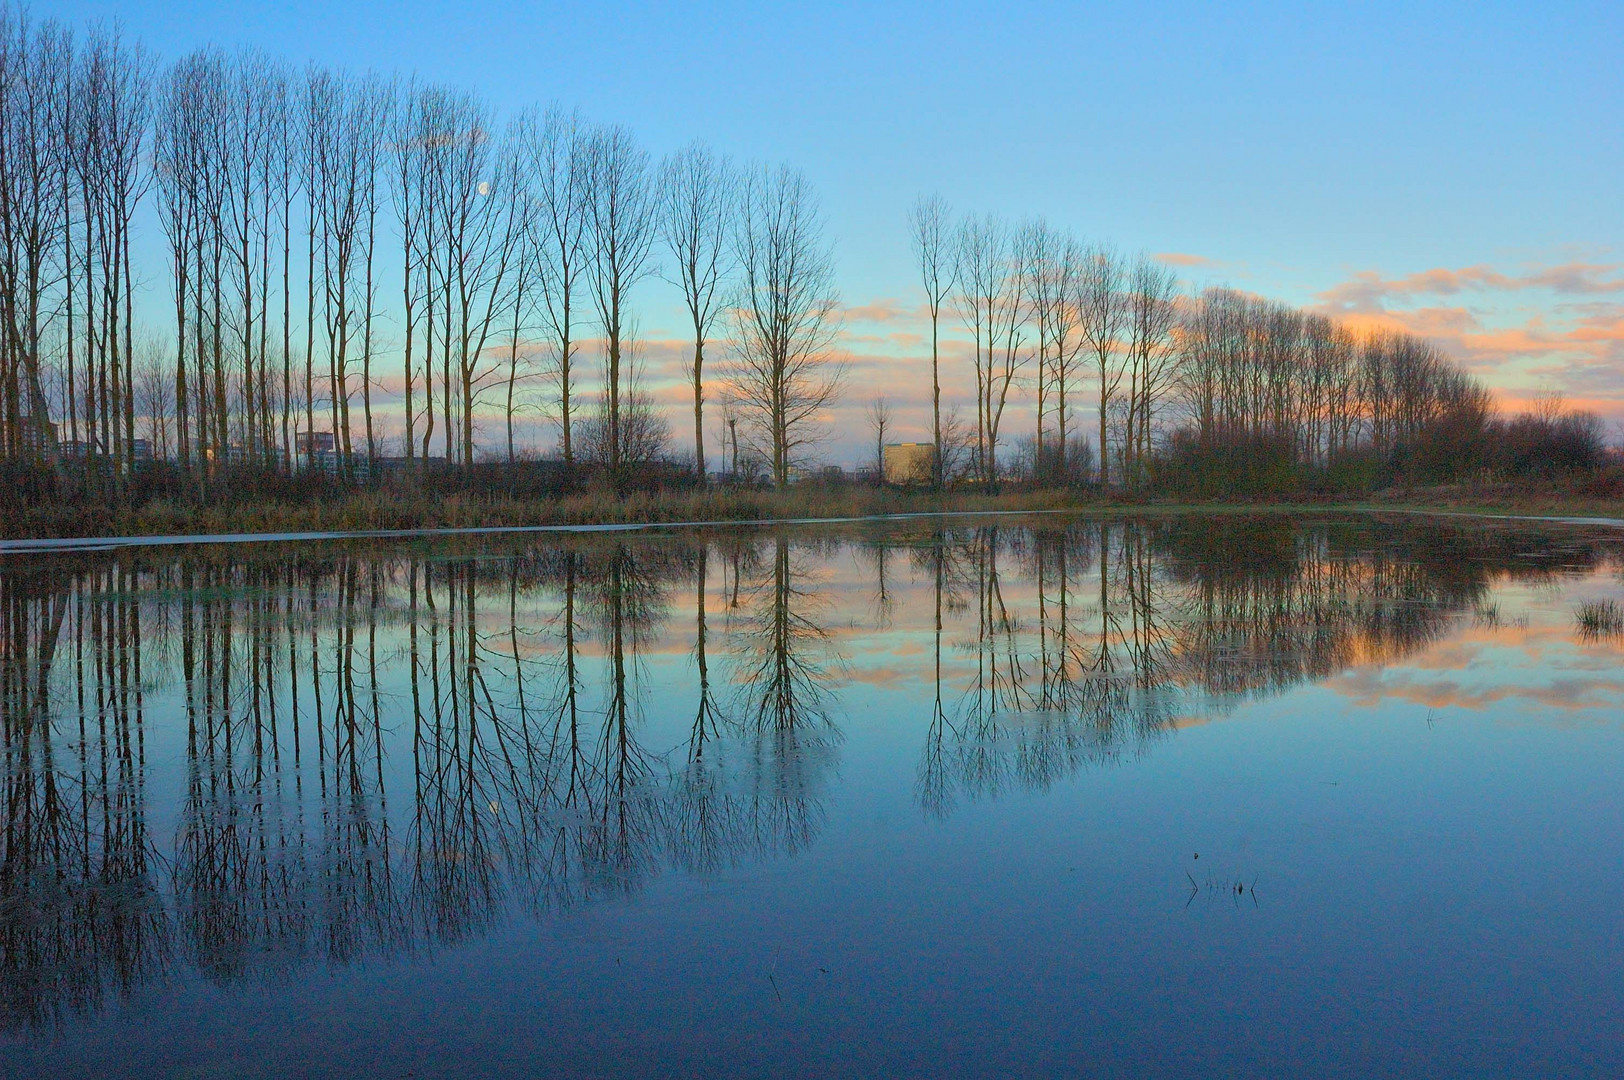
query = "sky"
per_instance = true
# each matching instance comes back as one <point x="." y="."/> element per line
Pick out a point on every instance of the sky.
<point x="1454" y="169"/>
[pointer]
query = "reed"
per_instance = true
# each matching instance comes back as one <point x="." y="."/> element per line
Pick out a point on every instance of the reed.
<point x="1599" y="619"/>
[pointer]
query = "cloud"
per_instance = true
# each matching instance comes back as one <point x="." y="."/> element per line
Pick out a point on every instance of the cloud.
<point x="1367" y="290"/>
<point x="1572" y="344"/>
<point x="884" y="310"/>
<point x="1540" y="328"/>
<point x="1179" y="258"/>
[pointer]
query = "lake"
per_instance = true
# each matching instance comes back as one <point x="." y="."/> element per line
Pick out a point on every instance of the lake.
<point x="1227" y="795"/>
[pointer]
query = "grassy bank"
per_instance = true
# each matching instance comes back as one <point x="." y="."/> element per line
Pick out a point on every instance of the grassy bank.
<point x="387" y="510"/>
<point x="1551" y="501"/>
<point x="394" y="510"/>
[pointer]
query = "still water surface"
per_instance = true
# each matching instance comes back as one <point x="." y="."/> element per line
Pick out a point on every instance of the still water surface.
<point x="1274" y="796"/>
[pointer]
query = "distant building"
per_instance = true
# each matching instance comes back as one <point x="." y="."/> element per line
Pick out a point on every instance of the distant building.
<point x="315" y="442"/>
<point x="908" y="463"/>
<point x="32" y="443"/>
<point x="832" y="474"/>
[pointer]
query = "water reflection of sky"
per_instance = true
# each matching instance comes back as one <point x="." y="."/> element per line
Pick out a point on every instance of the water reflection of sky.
<point x="1242" y="798"/>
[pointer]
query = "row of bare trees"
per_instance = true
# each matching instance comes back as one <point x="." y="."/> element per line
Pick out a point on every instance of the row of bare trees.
<point x="74" y="120"/>
<point x="1257" y="372"/>
<point x="461" y="273"/>
<point x="1166" y="374"/>
<point x="513" y="246"/>
<point x="1046" y="311"/>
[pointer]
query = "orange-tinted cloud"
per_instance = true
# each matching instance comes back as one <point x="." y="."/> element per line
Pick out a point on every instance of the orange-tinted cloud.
<point x="1179" y="258"/>
<point x="1368" y="290"/>
<point x="1521" y="344"/>
<point x="884" y="310"/>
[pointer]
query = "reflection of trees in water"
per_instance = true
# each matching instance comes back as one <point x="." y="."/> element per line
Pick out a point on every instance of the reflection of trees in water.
<point x="1137" y="623"/>
<point x="79" y="908"/>
<point x="614" y="812"/>
<point x="387" y="749"/>
<point x="282" y="848"/>
<point x="1267" y="607"/>
<point x="785" y="670"/>
<point x="1078" y="681"/>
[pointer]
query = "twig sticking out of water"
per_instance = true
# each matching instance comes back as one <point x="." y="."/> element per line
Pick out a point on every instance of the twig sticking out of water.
<point x="1215" y="887"/>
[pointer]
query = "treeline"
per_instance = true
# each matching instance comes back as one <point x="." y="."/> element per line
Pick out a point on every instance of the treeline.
<point x="1219" y="391"/>
<point x="375" y="275"/>
<point x="1270" y="398"/>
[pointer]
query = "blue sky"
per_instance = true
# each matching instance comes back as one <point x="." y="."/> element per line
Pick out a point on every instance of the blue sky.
<point x="1454" y="168"/>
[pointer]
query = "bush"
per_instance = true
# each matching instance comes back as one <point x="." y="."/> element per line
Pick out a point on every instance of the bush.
<point x="25" y="483"/>
<point x="1236" y="463"/>
<point x="1075" y="470"/>
<point x="1447" y="449"/>
<point x="1548" y="442"/>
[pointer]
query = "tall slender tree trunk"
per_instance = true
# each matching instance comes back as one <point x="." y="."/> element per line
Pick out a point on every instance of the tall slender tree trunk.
<point x="699" y="409"/>
<point x="310" y="334"/>
<point x="564" y="389"/>
<point x="935" y="401"/>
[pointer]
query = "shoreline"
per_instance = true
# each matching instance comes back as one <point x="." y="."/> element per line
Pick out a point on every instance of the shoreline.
<point x="1553" y="509"/>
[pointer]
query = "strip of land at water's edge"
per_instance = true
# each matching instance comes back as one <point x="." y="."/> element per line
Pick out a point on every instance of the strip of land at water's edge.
<point x="372" y="511"/>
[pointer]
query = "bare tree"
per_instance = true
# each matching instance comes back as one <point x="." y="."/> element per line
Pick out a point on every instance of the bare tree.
<point x="107" y="131"/>
<point x="978" y="255"/>
<point x="472" y="236"/>
<point x="245" y="175"/>
<point x="553" y="149"/>
<point x="1102" y="313"/>
<point x="333" y="177"/>
<point x="931" y="234"/>
<point x="154" y="387"/>
<point x="696" y="202"/>
<point x="35" y="84"/>
<point x="620" y="229"/>
<point x="284" y="176"/>
<point x="1152" y="316"/>
<point x="344" y="140"/>
<point x="408" y="189"/>
<point x="994" y="309"/>
<point x="174" y="153"/>
<point x="879" y="423"/>
<point x="644" y="433"/>
<point x="1050" y="266"/>
<point x="784" y="317"/>
<point x="521" y="205"/>
<point x="371" y="115"/>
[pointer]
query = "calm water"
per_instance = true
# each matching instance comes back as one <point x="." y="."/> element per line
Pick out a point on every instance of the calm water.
<point x="1187" y="796"/>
